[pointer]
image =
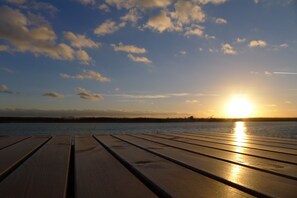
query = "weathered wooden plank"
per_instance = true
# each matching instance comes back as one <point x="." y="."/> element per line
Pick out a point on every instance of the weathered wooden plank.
<point x="247" y="151"/>
<point x="242" y="177"/>
<point x="251" y="143"/>
<point x="44" y="174"/>
<point x="99" y="174"/>
<point x="271" y="166"/>
<point x="10" y="140"/>
<point x="10" y="157"/>
<point x="172" y="179"/>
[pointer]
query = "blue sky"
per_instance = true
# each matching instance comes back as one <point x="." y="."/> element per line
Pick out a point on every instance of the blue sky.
<point x="157" y="58"/>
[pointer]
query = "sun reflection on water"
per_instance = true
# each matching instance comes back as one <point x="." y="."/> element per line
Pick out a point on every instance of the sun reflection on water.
<point x="239" y="134"/>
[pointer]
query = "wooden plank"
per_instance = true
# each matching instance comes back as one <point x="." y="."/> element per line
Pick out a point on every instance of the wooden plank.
<point x="271" y="166"/>
<point x="99" y="174"/>
<point x="10" y="140"/>
<point x="10" y="157"/>
<point x="247" y="151"/>
<point x="239" y="176"/>
<point x="250" y="143"/>
<point x="44" y="174"/>
<point x="172" y="179"/>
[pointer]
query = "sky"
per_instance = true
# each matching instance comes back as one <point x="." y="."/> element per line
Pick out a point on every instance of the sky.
<point x="147" y="58"/>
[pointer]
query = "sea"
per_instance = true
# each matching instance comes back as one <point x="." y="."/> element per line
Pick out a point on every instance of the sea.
<point x="271" y="129"/>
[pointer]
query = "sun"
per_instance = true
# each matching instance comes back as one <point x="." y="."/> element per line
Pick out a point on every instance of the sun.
<point x="239" y="107"/>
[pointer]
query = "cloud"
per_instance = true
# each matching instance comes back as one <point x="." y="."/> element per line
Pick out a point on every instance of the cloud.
<point x="79" y="41"/>
<point x="192" y="101"/>
<point x="284" y="45"/>
<point x="16" y="1"/>
<point x="187" y="13"/>
<point x="141" y="59"/>
<point x="182" y="52"/>
<point x="256" y="1"/>
<point x="198" y="31"/>
<point x="108" y="27"/>
<point x="33" y="36"/>
<point x="257" y="43"/>
<point x="212" y="1"/>
<point x="285" y="73"/>
<point x="128" y="48"/>
<point x="4" y="48"/>
<point x="141" y="4"/>
<point x="132" y="16"/>
<point x="87" y="74"/>
<point x="5" y="89"/>
<point x="88" y="95"/>
<point x="228" y="49"/>
<point x="103" y="7"/>
<point x="160" y="22"/>
<point x="240" y="40"/>
<point x="53" y="95"/>
<point x="83" y="56"/>
<point x="133" y="96"/>
<point x="221" y="21"/>
<point x="7" y="70"/>
<point x="87" y="2"/>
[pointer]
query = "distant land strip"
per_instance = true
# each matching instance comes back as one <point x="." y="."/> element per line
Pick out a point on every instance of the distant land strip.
<point x="132" y="120"/>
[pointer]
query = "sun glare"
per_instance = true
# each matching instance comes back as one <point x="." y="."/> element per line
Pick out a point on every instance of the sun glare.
<point x="239" y="107"/>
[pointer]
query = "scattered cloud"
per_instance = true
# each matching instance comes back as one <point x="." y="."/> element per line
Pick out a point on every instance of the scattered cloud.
<point x="16" y="1"/>
<point x="128" y="48"/>
<point x="220" y="21"/>
<point x="135" y="96"/>
<point x="240" y="40"/>
<point x="284" y="45"/>
<point x="198" y="31"/>
<point x="108" y="27"/>
<point x="257" y="43"/>
<point x="132" y="16"/>
<point x="160" y="22"/>
<point x="141" y="4"/>
<point x="141" y="59"/>
<point x="288" y="102"/>
<point x="256" y="1"/>
<point x="88" y="95"/>
<point x="212" y="1"/>
<point x="79" y="41"/>
<point x="7" y="70"/>
<point x="192" y="101"/>
<point x="267" y="73"/>
<point x="53" y="95"/>
<point x="5" y="89"/>
<point x="87" y="74"/>
<point x="87" y="2"/>
<point x="4" y="48"/>
<point x="285" y="73"/>
<point x="83" y="56"/>
<point x="37" y="37"/>
<point x="228" y="49"/>
<point x="182" y="52"/>
<point x="104" y="7"/>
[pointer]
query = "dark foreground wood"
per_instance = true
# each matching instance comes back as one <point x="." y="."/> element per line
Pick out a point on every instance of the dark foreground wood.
<point x="159" y="165"/>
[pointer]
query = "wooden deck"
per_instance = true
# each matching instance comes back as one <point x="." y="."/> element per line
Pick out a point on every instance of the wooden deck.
<point x="159" y="165"/>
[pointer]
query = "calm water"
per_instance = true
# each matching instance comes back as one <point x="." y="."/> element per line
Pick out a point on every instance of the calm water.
<point x="275" y="129"/>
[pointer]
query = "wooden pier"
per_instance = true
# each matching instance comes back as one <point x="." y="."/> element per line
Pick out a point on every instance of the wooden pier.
<point x="148" y="165"/>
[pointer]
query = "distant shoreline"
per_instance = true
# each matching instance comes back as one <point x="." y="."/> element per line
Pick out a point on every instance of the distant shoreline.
<point x="133" y="120"/>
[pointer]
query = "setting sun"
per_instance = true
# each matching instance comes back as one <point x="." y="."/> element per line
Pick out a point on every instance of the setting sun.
<point x="239" y="107"/>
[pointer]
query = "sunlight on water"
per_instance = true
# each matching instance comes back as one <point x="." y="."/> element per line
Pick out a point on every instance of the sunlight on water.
<point x="240" y="134"/>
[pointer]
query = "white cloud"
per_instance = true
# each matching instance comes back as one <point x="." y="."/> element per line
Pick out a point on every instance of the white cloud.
<point x="211" y="1"/>
<point x="221" y="21"/>
<point x="4" y="48"/>
<point x="108" y="27"/>
<point x="132" y="16"/>
<point x="182" y="52"/>
<point x="53" y="95"/>
<point x="83" y="56"/>
<point x="228" y="49"/>
<point x="141" y="59"/>
<point x="284" y="45"/>
<point x="87" y="2"/>
<point x="16" y="1"/>
<point x="256" y="1"/>
<point x="135" y="96"/>
<point x="104" y="7"/>
<point x="128" y="48"/>
<point x="198" y="31"/>
<point x="26" y="35"/>
<point x="142" y="4"/>
<point x="88" y="95"/>
<point x="187" y="13"/>
<point x="192" y="101"/>
<point x="257" y="43"/>
<point x="87" y="74"/>
<point x="240" y="40"/>
<point x="160" y="22"/>
<point x="78" y="40"/>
